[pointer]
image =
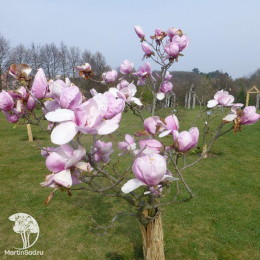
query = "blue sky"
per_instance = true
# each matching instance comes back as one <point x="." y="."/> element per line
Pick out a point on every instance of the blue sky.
<point x="223" y="35"/>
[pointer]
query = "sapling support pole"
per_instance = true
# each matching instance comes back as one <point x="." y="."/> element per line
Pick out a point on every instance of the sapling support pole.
<point x="29" y="132"/>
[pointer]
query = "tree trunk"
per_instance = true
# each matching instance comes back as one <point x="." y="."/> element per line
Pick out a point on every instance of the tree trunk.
<point x="153" y="245"/>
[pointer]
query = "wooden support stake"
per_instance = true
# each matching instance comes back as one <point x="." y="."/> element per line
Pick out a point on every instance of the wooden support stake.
<point x="29" y="131"/>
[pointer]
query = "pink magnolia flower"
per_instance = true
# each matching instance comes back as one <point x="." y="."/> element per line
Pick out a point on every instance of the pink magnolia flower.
<point x="182" y="42"/>
<point x="172" y="123"/>
<point x="31" y="103"/>
<point x="66" y="165"/>
<point x="150" y="146"/>
<point x="221" y="98"/>
<point x="149" y="170"/>
<point x="234" y="112"/>
<point x="11" y="117"/>
<point x="40" y="85"/>
<point x="70" y="98"/>
<point x="84" y="67"/>
<point x="19" y="93"/>
<point x="126" y="67"/>
<point x="153" y="125"/>
<point x="172" y="49"/>
<point x="165" y="88"/>
<point x="20" y="71"/>
<point x="115" y="106"/>
<point x="173" y="31"/>
<point x="249" y="116"/>
<point x="144" y="72"/>
<point x="87" y="118"/>
<point x="102" y="151"/>
<point x="158" y="35"/>
<point x="6" y="101"/>
<point x="110" y="76"/>
<point x="85" y="71"/>
<point x="167" y="76"/>
<point x="122" y="84"/>
<point x="127" y="145"/>
<point x="46" y="151"/>
<point x="56" y="88"/>
<point x="139" y="31"/>
<point x="185" y="140"/>
<point x="127" y="94"/>
<point x="147" y="50"/>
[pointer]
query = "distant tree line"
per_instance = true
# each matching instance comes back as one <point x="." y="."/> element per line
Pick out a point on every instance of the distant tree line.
<point x="62" y="60"/>
<point x="54" y="59"/>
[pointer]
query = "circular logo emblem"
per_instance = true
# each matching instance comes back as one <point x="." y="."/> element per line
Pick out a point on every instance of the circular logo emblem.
<point x="27" y="228"/>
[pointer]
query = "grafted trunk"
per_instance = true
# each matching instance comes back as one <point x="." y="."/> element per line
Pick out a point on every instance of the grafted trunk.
<point x="153" y="244"/>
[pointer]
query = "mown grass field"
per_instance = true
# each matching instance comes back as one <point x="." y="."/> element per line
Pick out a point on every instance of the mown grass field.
<point x="221" y="222"/>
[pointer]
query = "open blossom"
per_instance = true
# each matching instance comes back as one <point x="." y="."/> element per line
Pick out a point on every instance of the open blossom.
<point x="66" y="164"/>
<point x="139" y="31"/>
<point x="20" y="72"/>
<point x="185" y="140"/>
<point x="221" y="98"/>
<point x="102" y="151"/>
<point x="87" y="118"/>
<point x="153" y="125"/>
<point x="85" y="71"/>
<point x="110" y="76"/>
<point x="6" y="101"/>
<point x="127" y="94"/>
<point x="126" y="67"/>
<point x="172" y="123"/>
<point x="247" y="116"/>
<point x="40" y="85"/>
<point x="143" y="73"/>
<point x="84" y="67"/>
<point x="158" y="35"/>
<point x="149" y="170"/>
<point x="127" y="145"/>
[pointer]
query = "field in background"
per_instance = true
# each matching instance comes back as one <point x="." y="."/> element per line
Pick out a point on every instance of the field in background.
<point x="221" y="222"/>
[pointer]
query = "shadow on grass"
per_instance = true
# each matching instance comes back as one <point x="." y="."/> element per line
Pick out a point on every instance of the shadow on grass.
<point x="126" y="227"/>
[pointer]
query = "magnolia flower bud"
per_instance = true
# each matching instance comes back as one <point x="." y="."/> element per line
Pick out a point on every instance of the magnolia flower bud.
<point x="139" y="31"/>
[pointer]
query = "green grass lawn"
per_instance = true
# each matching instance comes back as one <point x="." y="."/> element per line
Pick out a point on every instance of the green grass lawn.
<point x="221" y="222"/>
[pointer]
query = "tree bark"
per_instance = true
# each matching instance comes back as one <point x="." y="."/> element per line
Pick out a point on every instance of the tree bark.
<point x="152" y="234"/>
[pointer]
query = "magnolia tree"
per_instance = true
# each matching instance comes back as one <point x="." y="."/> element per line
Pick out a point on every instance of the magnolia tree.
<point x="153" y="177"/>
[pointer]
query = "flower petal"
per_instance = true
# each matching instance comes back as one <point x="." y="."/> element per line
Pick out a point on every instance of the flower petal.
<point x="64" y="133"/>
<point x="60" y="115"/>
<point x="165" y="133"/>
<point x="131" y="185"/>
<point x="160" y="96"/>
<point x="63" y="178"/>
<point x="212" y="103"/>
<point x="230" y="117"/>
